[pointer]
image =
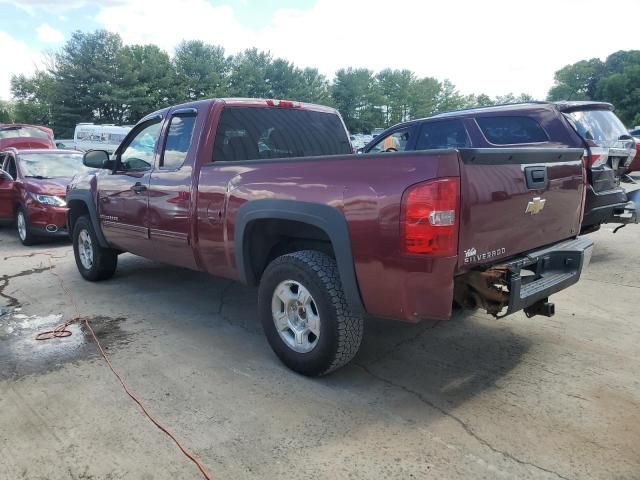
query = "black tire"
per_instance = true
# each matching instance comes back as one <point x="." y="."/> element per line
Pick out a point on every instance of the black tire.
<point x="105" y="260"/>
<point x="340" y="331"/>
<point x="28" y="238"/>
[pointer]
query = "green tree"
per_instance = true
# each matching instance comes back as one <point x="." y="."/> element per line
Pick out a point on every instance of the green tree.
<point x="616" y="80"/>
<point x="33" y="98"/>
<point x="394" y="86"/>
<point x="201" y="71"/>
<point x="249" y="76"/>
<point x="149" y="80"/>
<point x="423" y="97"/>
<point x="90" y="81"/>
<point x="449" y="98"/>
<point x="577" y="81"/>
<point x="6" y="112"/>
<point x="356" y="95"/>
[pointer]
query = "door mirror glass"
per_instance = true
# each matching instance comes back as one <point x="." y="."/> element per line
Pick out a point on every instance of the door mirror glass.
<point x="5" y="177"/>
<point x="97" y="159"/>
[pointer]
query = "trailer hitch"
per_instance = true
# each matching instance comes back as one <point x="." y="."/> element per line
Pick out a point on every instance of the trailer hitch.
<point x="541" y="307"/>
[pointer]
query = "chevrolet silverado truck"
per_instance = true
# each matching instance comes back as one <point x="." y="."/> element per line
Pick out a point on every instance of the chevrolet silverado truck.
<point x="269" y="193"/>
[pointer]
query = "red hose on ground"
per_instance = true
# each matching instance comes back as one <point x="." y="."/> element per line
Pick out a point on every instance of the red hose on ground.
<point x="61" y="331"/>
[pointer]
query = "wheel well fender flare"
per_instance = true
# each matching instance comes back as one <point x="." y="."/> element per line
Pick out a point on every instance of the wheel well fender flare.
<point x="75" y="197"/>
<point x="329" y="219"/>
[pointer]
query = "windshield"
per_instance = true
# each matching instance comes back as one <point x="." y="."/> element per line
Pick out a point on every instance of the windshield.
<point x="16" y="132"/>
<point x="600" y="126"/>
<point x="51" y="165"/>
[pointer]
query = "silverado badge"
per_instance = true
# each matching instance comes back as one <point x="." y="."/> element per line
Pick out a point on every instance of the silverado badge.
<point x="535" y="206"/>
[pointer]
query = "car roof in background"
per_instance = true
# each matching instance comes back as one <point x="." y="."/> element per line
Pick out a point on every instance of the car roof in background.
<point x="563" y="106"/>
<point x="7" y="126"/>
<point x="19" y="151"/>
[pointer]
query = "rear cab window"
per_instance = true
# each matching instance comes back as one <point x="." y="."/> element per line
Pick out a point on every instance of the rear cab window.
<point x="511" y="130"/>
<point x="254" y="133"/>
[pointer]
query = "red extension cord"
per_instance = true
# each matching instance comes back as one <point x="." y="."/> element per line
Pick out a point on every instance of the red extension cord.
<point x="61" y="331"/>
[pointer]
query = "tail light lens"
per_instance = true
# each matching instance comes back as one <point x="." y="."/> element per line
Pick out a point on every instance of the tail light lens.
<point x="430" y="216"/>
<point x="599" y="157"/>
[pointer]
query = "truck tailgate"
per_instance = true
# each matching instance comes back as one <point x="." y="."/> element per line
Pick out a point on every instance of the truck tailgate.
<point x="516" y="200"/>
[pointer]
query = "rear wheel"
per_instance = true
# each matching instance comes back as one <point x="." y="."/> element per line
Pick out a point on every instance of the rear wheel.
<point x="94" y="262"/>
<point x="305" y="314"/>
<point x="23" y="228"/>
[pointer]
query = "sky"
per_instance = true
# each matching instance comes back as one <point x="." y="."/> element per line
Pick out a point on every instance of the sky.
<point x="490" y="46"/>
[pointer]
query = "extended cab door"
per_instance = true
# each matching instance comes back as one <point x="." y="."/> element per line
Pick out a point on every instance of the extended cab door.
<point x="170" y="190"/>
<point x="124" y="194"/>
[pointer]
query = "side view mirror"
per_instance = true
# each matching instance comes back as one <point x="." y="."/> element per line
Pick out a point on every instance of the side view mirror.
<point x="5" y="176"/>
<point x="97" y="159"/>
<point x="360" y="150"/>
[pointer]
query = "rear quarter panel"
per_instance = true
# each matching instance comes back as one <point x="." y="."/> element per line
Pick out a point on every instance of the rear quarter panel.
<point x="368" y="190"/>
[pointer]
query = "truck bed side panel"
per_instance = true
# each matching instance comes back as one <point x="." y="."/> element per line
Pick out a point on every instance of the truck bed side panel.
<point x="368" y="190"/>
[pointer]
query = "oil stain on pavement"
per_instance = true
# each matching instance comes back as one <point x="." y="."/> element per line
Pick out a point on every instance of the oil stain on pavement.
<point x="21" y="354"/>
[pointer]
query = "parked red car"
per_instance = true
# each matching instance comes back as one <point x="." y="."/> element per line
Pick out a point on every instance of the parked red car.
<point x="33" y="184"/>
<point x="18" y="135"/>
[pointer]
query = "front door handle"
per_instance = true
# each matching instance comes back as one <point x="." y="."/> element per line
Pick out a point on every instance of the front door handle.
<point x="138" y="187"/>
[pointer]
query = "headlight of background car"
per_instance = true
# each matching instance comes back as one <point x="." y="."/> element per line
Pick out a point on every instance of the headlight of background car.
<point x="50" y="200"/>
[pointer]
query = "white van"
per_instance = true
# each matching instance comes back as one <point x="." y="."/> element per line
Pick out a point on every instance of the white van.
<point x="89" y="136"/>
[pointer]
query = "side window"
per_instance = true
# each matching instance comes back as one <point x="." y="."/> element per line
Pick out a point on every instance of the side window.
<point x="178" y="141"/>
<point x="10" y="167"/>
<point x="138" y="155"/>
<point x="507" y="130"/>
<point x="442" y="134"/>
<point x="396" y="142"/>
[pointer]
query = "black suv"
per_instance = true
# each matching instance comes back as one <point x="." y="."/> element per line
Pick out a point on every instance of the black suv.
<point x="608" y="147"/>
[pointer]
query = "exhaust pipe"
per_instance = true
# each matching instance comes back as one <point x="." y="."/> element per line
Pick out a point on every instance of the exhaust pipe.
<point x="51" y="228"/>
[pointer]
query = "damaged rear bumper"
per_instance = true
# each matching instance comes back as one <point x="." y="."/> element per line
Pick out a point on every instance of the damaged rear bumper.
<point x="526" y="282"/>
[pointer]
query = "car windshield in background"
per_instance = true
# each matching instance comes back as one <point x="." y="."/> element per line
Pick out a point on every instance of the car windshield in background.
<point x="251" y="133"/>
<point x="601" y="126"/>
<point x="51" y="165"/>
<point x="17" y="132"/>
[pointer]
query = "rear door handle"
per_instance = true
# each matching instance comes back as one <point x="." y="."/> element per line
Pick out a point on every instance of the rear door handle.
<point x="536" y="177"/>
<point x="138" y="187"/>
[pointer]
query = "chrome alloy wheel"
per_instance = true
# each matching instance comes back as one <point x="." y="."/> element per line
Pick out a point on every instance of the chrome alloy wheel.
<point x="85" y="249"/>
<point x="22" y="226"/>
<point x="295" y="315"/>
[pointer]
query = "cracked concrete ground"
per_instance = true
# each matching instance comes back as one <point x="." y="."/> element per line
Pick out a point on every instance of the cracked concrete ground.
<point x="470" y="398"/>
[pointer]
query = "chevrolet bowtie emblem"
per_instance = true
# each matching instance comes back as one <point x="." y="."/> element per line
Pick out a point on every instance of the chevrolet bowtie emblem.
<point x="535" y="206"/>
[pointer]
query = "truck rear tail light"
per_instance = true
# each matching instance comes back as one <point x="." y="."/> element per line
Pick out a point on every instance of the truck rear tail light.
<point x="430" y="216"/>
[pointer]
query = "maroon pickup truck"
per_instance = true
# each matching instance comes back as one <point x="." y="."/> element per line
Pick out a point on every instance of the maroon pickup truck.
<point x="269" y="193"/>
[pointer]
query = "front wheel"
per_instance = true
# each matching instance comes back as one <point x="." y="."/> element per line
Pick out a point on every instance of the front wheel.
<point x="22" y="226"/>
<point x="94" y="261"/>
<point x="305" y="314"/>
